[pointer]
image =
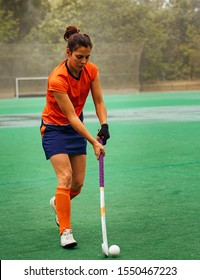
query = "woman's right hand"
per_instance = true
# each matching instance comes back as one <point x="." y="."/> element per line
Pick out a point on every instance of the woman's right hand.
<point x="98" y="149"/>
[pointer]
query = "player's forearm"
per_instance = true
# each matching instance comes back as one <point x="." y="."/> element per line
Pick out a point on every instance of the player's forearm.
<point x="80" y="128"/>
<point x="101" y="113"/>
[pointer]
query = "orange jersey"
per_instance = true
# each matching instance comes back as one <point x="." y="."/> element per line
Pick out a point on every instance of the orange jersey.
<point x="61" y="80"/>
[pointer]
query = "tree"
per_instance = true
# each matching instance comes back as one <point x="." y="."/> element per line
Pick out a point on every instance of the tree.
<point x="173" y="52"/>
<point x="168" y="31"/>
<point x="26" y="13"/>
<point x="122" y="21"/>
<point x="183" y="28"/>
<point x="8" y="26"/>
<point x="108" y="21"/>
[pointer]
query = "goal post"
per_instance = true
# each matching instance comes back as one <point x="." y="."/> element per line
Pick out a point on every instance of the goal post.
<point x="30" y="86"/>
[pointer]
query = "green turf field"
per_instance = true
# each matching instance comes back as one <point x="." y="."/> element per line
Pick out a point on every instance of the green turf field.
<point x="152" y="172"/>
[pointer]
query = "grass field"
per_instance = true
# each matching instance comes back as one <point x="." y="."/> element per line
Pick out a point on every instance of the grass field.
<point x="151" y="181"/>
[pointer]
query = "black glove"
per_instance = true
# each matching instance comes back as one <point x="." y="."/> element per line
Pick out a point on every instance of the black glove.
<point x="104" y="133"/>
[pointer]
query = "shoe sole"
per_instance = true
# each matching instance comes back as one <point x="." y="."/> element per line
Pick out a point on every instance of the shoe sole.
<point x="69" y="246"/>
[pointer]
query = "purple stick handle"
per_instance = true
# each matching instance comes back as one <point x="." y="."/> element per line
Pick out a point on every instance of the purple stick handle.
<point x="101" y="167"/>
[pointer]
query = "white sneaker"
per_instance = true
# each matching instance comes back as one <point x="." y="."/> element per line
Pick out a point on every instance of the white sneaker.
<point x="67" y="240"/>
<point x="52" y="203"/>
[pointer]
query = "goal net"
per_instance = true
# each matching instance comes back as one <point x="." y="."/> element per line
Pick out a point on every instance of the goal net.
<point x="30" y="86"/>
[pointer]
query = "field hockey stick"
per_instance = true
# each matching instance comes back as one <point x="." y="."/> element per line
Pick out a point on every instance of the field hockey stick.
<point x="102" y="204"/>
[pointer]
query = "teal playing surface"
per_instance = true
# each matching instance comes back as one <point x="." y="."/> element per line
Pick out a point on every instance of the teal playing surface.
<point x="151" y="181"/>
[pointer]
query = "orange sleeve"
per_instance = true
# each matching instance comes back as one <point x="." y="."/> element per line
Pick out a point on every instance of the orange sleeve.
<point x="58" y="84"/>
<point x="93" y="70"/>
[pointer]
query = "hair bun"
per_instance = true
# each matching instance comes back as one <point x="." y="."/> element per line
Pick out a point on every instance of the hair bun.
<point x="70" y="30"/>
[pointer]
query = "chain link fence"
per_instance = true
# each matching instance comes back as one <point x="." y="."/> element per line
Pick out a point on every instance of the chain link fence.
<point x="118" y="66"/>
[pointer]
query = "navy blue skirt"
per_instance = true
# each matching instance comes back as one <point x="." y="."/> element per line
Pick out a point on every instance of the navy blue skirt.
<point x="62" y="140"/>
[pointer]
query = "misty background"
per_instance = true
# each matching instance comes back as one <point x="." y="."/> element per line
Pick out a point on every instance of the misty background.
<point x="139" y="45"/>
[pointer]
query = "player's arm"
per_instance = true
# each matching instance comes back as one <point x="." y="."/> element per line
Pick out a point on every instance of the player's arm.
<point x="68" y="109"/>
<point x="98" y="100"/>
<point x="100" y="109"/>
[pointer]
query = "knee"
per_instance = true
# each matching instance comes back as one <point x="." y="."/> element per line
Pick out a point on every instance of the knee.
<point x="65" y="178"/>
<point x="77" y="185"/>
<point x="75" y="190"/>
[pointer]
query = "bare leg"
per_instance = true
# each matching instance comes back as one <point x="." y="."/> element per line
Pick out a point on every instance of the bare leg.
<point x="78" y="164"/>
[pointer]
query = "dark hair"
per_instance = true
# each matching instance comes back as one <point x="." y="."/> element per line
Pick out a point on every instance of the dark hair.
<point x="76" y="39"/>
